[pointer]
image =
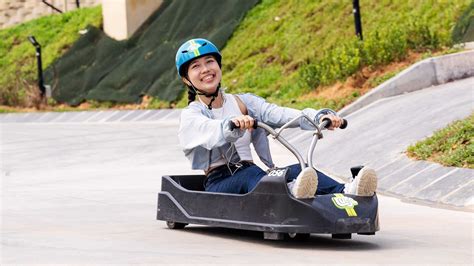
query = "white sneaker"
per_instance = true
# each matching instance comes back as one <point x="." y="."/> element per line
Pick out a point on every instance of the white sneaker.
<point x="364" y="184"/>
<point x="305" y="185"/>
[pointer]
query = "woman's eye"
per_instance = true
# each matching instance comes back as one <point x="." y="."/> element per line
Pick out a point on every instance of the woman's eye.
<point x="194" y="66"/>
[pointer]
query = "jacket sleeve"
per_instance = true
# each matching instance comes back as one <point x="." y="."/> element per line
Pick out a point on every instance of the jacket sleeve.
<point x="276" y="116"/>
<point x="198" y="130"/>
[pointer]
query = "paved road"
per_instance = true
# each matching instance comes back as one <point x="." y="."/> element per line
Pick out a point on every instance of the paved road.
<point x="85" y="193"/>
<point x="379" y="134"/>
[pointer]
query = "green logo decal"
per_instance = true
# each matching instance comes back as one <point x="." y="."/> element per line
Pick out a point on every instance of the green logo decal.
<point x="345" y="203"/>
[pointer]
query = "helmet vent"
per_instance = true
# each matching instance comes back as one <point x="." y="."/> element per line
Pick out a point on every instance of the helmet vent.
<point x="185" y="51"/>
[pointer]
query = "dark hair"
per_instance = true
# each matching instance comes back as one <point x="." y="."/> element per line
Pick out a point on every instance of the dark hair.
<point x="191" y="91"/>
<point x="191" y="95"/>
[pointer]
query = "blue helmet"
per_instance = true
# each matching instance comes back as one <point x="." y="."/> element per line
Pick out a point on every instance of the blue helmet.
<point x="193" y="49"/>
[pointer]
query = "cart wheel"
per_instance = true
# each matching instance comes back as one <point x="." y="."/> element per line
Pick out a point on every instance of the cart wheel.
<point x="175" y="225"/>
<point x="273" y="236"/>
<point x="341" y="236"/>
<point x="299" y="237"/>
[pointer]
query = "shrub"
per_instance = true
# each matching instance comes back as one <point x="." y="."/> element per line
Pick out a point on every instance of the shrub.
<point x="378" y="48"/>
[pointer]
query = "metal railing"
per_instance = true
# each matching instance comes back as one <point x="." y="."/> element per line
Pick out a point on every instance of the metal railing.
<point x="78" y="5"/>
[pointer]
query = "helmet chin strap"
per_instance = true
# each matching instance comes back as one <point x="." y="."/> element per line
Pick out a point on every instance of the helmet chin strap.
<point x="207" y="95"/>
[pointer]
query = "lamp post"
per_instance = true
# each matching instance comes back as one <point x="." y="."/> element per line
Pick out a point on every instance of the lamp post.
<point x="39" y="63"/>
<point x="357" y="21"/>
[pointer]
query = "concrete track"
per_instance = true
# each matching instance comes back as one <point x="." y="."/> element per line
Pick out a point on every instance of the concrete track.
<point x="379" y="134"/>
<point x="85" y="193"/>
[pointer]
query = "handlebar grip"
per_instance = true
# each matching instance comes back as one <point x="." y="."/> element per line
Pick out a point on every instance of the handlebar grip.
<point x="344" y="124"/>
<point x="233" y="126"/>
<point x="328" y="124"/>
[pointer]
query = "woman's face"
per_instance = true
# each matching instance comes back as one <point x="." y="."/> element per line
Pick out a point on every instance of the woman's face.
<point x="204" y="73"/>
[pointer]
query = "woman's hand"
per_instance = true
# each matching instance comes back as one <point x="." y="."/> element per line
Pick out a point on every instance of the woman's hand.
<point x="336" y="121"/>
<point x="243" y="122"/>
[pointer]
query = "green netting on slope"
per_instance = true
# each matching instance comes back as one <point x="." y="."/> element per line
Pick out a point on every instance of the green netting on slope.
<point x="100" y="68"/>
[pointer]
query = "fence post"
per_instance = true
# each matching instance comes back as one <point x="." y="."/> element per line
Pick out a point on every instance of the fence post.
<point x="357" y="21"/>
<point x="37" y="46"/>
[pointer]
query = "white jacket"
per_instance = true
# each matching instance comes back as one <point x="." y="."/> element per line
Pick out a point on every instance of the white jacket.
<point x="201" y="135"/>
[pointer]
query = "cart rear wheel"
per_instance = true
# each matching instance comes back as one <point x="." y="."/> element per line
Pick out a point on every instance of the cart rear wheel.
<point x="341" y="236"/>
<point x="175" y="225"/>
<point x="273" y="236"/>
<point x="299" y="236"/>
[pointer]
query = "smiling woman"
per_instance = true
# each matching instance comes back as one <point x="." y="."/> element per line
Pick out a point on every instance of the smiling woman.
<point x="216" y="130"/>
<point x="194" y="56"/>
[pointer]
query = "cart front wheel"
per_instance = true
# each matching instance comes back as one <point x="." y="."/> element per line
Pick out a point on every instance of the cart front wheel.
<point x="175" y="225"/>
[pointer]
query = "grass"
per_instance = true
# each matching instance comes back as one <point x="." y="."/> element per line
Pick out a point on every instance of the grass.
<point x="6" y="110"/>
<point x="451" y="146"/>
<point x="382" y="78"/>
<point x="55" y="33"/>
<point x="285" y="49"/>
<point x="148" y="102"/>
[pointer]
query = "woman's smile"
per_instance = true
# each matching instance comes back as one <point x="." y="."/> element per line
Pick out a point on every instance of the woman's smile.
<point x="205" y="73"/>
<point x="208" y="78"/>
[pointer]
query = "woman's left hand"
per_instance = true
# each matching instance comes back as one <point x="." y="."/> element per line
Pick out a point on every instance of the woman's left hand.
<point x="243" y="122"/>
<point x="336" y="121"/>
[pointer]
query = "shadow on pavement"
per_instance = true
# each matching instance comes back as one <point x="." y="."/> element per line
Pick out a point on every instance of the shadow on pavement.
<point x="322" y="241"/>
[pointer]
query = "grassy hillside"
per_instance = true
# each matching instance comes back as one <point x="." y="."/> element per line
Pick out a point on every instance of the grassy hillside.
<point x="451" y="146"/>
<point x="55" y="33"/>
<point x="288" y="50"/>
<point x="301" y="53"/>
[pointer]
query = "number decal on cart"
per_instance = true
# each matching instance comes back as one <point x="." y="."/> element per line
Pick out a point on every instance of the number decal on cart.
<point x="277" y="172"/>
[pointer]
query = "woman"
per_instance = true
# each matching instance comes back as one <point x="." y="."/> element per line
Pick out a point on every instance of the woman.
<point x="224" y="154"/>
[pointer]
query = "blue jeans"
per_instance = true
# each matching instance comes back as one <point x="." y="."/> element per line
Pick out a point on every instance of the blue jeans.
<point x="245" y="180"/>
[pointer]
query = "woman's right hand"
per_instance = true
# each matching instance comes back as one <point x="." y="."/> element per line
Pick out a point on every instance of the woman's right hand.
<point x="336" y="121"/>
<point x="243" y="122"/>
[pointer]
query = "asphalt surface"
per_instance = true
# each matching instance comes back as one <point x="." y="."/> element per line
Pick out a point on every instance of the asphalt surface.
<point x="83" y="190"/>
<point x="379" y="134"/>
